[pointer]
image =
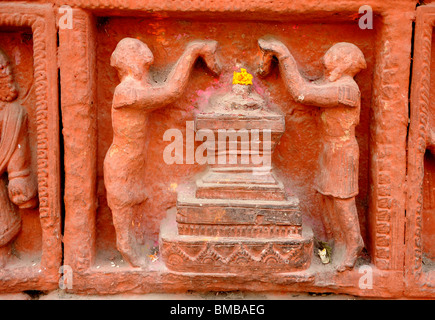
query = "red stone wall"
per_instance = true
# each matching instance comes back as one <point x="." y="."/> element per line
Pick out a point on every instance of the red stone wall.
<point x="66" y="85"/>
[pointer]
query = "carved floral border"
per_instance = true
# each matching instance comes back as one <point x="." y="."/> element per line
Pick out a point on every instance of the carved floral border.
<point x="40" y="19"/>
<point x="417" y="142"/>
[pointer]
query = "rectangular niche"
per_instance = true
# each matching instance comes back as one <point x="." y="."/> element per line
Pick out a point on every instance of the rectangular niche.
<point x="297" y="154"/>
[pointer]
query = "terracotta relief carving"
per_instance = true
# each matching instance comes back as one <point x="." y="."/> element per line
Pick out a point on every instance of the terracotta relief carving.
<point x="134" y="98"/>
<point x="30" y="205"/>
<point x="338" y="96"/>
<point x="18" y="187"/>
<point x="334" y="165"/>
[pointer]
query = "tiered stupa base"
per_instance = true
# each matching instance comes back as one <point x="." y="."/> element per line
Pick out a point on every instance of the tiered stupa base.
<point x="237" y="217"/>
<point x="235" y="236"/>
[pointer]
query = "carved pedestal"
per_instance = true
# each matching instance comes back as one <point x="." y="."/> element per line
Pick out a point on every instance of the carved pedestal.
<point x="237" y="217"/>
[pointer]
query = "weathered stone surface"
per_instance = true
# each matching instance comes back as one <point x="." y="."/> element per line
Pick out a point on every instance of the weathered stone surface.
<point x="128" y="72"/>
<point x="30" y="210"/>
<point x="381" y="135"/>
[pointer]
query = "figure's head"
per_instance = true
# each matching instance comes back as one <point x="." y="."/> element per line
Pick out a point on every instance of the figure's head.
<point x="131" y="57"/>
<point x="341" y="59"/>
<point x="8" y="89"/>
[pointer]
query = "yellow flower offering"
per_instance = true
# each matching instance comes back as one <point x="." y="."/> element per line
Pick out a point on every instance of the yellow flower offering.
<point x="242" y="77"/>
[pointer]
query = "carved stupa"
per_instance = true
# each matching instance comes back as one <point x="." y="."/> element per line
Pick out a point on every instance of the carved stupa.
<point x="237" y="216"/>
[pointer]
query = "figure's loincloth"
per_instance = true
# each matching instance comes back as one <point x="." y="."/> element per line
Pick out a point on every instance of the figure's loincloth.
<point x="338" y="169"/>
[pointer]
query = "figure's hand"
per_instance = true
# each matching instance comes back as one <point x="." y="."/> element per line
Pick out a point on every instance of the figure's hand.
<point x="207" y="50"/>
<point x="265" y="66"/>
<point x="22" y="192"/>
<point x="271" y="48"/>
<point x="210" y="57"/>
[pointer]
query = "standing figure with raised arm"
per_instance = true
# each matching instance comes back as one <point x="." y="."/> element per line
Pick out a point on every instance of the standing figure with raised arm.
<point x="133" y="100"/>
<point x="338" y="98"/>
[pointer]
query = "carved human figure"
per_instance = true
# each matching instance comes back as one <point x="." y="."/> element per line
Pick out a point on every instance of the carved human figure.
<point x="338" y="97"/>
<point x="134" y="98"/>
<point x="18" y="187"/>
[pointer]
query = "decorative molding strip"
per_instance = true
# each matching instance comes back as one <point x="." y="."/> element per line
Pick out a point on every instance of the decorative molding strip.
<point x="220" y="256"/>
<point x="276" y="6"/>
<point x="77" y="49"/>
<point x="388" y="130"/>
<point x="239" y="230"/>
<point x="423" y="282"/>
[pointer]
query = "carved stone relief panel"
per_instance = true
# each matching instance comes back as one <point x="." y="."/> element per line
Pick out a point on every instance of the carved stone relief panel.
<point x="30" y="234"/>
<point x="143" y="215"/>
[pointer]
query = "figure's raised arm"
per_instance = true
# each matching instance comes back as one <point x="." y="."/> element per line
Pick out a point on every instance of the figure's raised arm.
<point x="330" y="95"/>
<point x="342" y="61"/>
<point x="294" y="81"/>
<point x="177" y="80"/>
<point x="132" y="59"/>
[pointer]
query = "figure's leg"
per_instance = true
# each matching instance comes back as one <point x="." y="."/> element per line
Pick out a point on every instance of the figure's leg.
<point x="337" y="239"/>
<point x="334" y="222"/>
<point x="347" y="217"/>
<point x="5" y="254"/>
<point x="121" y="201"/>
<point x="125" y="239"/>
<point x="326" y="217"/>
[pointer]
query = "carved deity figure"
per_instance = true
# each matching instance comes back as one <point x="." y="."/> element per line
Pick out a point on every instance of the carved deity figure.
<point x="134" y="99"/>
<point x="18" y="188"/>
<point x="338" y="97"/>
